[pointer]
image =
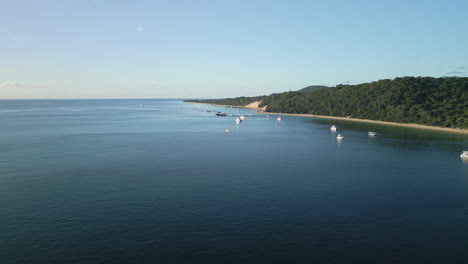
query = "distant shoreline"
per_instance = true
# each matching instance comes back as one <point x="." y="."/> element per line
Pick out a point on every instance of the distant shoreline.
<point x="254" y="106"/>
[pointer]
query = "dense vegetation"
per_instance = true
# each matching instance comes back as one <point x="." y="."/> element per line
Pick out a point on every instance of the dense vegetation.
<point x="421" y="100"/>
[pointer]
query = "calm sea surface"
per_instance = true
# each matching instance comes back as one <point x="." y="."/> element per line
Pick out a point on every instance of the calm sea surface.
<point x="159" y="181"/>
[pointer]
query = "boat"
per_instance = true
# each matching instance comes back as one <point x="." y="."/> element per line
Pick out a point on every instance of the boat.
<point x="228" y="130"/>
<point x="276" y="124"/>
<point x="242" y="117"/>
<point x="464" y="155"/>
<point x="339" y="137"/>
<point x="372" y="134"/>
<point x="279" y="118"/>
<point x="238" y="120"/>
<point x="221" y="114"/>
<point x="333" y="128"/>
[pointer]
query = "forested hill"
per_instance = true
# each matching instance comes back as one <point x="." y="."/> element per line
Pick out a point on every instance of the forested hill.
<point x="311" y="88"/>
<point x="421" y="100"/>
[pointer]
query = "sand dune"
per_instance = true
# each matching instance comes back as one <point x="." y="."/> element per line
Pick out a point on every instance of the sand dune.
<point x="255" y="105"/>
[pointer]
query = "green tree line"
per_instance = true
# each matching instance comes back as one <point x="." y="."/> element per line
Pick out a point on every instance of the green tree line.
<point x="421" y="100"/>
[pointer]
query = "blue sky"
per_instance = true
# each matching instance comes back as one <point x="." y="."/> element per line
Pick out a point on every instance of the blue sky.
<point x="208" y="49"/>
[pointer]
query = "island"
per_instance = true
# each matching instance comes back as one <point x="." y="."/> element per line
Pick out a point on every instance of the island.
<point x="410" y="101"/>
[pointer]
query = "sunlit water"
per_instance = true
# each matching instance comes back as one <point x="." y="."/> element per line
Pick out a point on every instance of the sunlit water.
<point x="160" y="181"/>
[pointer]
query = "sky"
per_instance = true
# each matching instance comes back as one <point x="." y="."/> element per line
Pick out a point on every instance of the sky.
<point x="220" y="48"/>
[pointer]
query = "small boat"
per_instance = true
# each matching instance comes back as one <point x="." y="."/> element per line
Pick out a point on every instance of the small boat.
<point x="221" y="114"/>
<point x="276" y="124"/>
<point x="333" y="128"/>
<point x="339" y="137"/>
<point x="228" y="130"/>
<point x="464" y="155"/>
<point x="242" y="117"/>
<point x="279" y="118"/>
<point x="372" y="134"/>
<point x="238" y="120"/>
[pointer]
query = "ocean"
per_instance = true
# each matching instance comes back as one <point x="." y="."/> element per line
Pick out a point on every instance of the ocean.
<point x="160" y="181"/>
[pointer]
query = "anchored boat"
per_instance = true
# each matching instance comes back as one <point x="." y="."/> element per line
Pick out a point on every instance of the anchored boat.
<point x="464" y="155"/>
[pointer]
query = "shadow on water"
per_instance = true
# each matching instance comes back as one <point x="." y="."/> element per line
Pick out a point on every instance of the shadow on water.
<point x="404" y="137"/>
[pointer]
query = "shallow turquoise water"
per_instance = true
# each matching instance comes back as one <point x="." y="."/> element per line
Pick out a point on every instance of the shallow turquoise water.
<point x="159" y="181"/>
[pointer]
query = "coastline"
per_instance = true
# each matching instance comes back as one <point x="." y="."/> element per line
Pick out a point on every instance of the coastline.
<point x="418" y="126"/>
<point x="254" y="106"/>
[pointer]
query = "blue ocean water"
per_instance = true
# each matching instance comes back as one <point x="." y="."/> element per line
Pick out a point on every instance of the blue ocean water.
<point x="159" y="181"/>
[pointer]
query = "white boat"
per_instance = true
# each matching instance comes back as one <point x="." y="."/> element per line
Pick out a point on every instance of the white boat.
<point x="279" y="118"/>
<point x="238" y="120"/>
<point x="339" y="137"/>
<point x="464" y="155"/>
<point x="372" y="134"/>
<point x="333" y="128"/>
<point x="228" y="130"/>
<point x="242" y="117"/>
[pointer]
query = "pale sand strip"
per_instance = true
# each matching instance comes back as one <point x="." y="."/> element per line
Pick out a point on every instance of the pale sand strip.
<point x="254" y="106"/>
<point x="441" y="129"/>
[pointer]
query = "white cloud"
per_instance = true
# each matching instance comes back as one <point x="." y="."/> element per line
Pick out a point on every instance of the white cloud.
<point x="140" y="28"/>
<point x="9" y="84"/>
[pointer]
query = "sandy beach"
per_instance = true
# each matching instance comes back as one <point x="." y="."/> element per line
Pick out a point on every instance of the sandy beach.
<point x="442" y="129"/>
<point x="254" y="106"/>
